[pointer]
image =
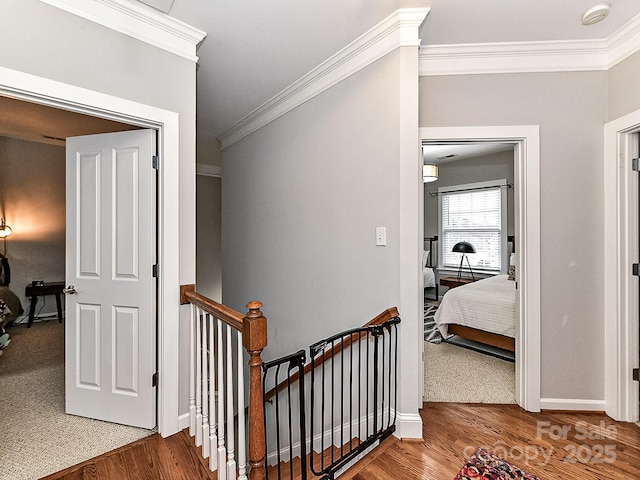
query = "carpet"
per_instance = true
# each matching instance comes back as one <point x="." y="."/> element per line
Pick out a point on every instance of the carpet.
<point x="485" y="465"/>
<point x="38" y="438"/>
<point x="459" y="375"/>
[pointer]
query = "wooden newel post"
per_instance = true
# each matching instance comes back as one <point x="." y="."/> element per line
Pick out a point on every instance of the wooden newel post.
<point x="254" y="340"/>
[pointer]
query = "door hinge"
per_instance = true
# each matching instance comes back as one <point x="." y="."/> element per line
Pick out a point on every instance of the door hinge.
<point x="635" y="269"/>
<point x="155" y="162"/>
<point x="635" y="164"/>
<point x="636" y="374"/>
<point x="155" y="271"/>
<point x="154" y="380"/>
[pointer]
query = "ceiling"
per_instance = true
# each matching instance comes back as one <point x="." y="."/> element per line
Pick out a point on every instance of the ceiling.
<point x="254" y="49"/>
<point x="440" y="153"/>
<point x="41" y="124"/>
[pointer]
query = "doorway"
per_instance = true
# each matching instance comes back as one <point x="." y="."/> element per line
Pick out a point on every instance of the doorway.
<point x="471" y="326"/>
<point x="525" y="141"/>
<point x="621" y="251"/>
<point x="22" y="86"/>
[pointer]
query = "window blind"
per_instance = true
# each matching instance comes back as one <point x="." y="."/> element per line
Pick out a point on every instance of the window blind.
<point x="474" y="217"/>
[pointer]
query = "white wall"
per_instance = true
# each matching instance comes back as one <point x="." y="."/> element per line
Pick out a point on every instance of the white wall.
<point x="32" y="193"/>
<point x="571" y="109"/>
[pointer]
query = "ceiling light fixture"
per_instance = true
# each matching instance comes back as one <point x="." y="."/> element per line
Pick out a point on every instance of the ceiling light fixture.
<point x="429" y="173"/>
<point x="596" y="14"/>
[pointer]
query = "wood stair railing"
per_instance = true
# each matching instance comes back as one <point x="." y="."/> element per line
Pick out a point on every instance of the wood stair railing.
<point x="208" y="390"/>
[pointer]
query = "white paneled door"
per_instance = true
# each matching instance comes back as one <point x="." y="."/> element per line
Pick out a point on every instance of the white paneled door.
<point x="110" y="331"/>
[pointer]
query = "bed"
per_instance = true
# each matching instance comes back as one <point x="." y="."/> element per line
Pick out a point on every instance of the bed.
<point x="428" y="264"/>
<point x="483" y="311"/>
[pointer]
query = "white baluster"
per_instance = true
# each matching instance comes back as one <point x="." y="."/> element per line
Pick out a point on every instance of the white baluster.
<point x="198" y="381"/>
<point x="222" y="453"/>
<point x="242" y="453"/>
<point x="213" y="439"/>
<point x="192" y="373"/>
<point x="231" y="460"/>
<point x="205" y="390"/>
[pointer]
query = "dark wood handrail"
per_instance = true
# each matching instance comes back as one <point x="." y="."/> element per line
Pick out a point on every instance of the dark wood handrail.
<point x="385" y="316"/>
<point x="224" y="313"/>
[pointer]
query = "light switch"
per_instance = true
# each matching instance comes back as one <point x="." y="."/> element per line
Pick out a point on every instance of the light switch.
<point x="381" y="236"/>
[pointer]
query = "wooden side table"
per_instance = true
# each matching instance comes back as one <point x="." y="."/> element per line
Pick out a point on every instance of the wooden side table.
<point x="35" y="291"/>
<point x="453" y="282"/>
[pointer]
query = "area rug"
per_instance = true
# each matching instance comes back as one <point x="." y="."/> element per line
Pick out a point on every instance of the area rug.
<point x="484" y="465"/>
<point x="431" y="332"/>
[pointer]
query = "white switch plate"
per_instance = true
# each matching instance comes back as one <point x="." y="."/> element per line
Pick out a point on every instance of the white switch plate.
<point x="381" y="236"/>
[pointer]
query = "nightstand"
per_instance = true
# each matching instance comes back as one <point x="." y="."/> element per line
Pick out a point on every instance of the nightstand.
<point x="453" y="282"/>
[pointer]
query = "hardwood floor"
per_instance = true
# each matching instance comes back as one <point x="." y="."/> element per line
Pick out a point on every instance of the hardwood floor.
<point x="551" y="445"/>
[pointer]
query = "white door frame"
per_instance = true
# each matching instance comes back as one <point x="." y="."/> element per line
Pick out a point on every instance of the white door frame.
<point x="48" y="92"/>
<point x="526" y="140"/>
<point x="620" y="251"/>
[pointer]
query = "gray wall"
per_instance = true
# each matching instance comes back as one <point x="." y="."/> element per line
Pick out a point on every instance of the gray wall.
<point x="624" y="94"/>
<point x="470" y="170"/>
<point x="32" y="193"/>
<point x="301" y="200"/>
<point x="208" y="236"/>
<point x="571" y="109"/>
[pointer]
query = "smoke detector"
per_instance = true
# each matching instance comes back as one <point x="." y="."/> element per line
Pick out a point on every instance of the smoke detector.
<point x="596" y="14"/>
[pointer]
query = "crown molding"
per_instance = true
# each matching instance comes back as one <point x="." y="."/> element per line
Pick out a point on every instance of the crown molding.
<point x="207" y="170"/>
<point x="520" y="57"/>
<point x="399" y="29"/>
<point x="139" y="21"/>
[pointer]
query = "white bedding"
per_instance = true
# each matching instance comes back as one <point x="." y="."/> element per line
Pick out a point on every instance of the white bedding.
<point x="429" y="277"/>
<point x="488" y="304"/>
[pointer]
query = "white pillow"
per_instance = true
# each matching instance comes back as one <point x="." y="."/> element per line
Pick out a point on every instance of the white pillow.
<point x="425" y="257"/>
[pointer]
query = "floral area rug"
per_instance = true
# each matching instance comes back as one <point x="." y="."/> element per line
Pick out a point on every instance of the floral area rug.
<point x="484" y="465"/>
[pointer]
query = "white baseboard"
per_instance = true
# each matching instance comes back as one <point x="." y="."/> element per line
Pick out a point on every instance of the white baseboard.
<point x="572" y="404"/>
<point x="408" y="425"/>
<point x="183" y="421"/>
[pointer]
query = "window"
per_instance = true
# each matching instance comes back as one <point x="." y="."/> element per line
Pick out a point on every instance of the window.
<point x="475" y="213"/>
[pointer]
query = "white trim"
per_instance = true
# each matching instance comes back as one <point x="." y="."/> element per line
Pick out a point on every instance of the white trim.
<point x="44" y="91"/>
<point x="621" y="344"/>
<point x="183" y="421"/>
<point x="208" y="170"/>
<point x="572" y="404"/>
<point x="526" y="139"/>
<point x="397" y="30"/>
<point x="139" y="21"/>
<point x="408" y="425"/>
<point x="544" y="56"/>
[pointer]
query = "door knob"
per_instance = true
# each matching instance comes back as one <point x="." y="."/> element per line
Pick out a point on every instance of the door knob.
<point x="71" y="290"/>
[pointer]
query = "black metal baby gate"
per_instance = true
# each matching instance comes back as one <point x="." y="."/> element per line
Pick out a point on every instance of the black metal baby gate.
<point x="352" y="384"/>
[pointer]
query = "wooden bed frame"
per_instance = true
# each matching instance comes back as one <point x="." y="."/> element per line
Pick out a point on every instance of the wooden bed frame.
<point x="480" y="336"/>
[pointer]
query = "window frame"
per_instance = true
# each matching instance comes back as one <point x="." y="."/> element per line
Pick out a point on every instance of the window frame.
<point x="500" y="184"/>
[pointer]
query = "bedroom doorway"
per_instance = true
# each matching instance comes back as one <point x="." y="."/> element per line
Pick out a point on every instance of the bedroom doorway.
<point x="38" y="234"/>
<point x="470" y="326"/>
<point x="525" y="143"/>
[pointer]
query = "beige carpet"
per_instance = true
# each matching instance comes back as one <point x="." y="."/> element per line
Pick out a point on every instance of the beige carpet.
<point x="458" y="375"/>
<point x="36" y="437"/>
